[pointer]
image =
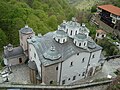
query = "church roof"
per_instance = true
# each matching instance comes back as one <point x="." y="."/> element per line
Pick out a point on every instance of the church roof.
<point x="81" y="36"/>
<point x="52" y="54"/>
<point x="26" y="30"/>
<point x="16" y="51"/>
<point x="66" y="50"/>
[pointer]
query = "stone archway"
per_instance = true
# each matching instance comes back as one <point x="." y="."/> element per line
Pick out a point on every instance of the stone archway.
<point x="90" y="72"/>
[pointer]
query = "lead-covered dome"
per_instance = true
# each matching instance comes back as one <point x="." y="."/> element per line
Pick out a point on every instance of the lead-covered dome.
<point x="60" y="36"/>
<point x="26" y="30"/>
<point x="80" y="40"/>
<point x="52" y="54"/>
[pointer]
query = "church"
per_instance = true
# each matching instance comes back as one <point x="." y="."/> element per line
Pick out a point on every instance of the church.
<point x="60" y="57"/>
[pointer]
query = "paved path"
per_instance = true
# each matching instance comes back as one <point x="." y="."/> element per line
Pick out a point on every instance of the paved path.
<point x="19" y="75"/>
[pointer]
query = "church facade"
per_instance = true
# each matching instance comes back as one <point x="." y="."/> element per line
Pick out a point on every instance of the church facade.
<point x="60" y="57"/>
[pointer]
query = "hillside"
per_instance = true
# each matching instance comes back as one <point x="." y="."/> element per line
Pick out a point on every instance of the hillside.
<point x="83" y="4"/>
<point x="41" y="15"/>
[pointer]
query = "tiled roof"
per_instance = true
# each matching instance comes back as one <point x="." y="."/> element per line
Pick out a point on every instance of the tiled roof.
<point x="110" y="8"/>
<point x="100" y="31"/>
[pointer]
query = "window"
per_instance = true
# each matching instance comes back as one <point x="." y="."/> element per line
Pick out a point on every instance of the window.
<point x="63" y="82"/>
<point x="74" y="77"/>
<point x="71" y="32"/>
<point x="76" y="32"/>
<point x="79" y="44"/>
<point x="30" y="49"/>
<point x="71" y="64"/>
<point x="79" y="74"/>
<point x="83" y="74"/>
<point x="56" y="68"/>
<point x="83" y="60"/>
<point x="84" y="44"/>
<point x="63" y="40"/>
<point x="58" y="40"/>
<point x="97" y="34"/>
<point x="102" y="35"/>
<point x="93" y="56"/>
<point x="34" y="55"/>
<point x="68" y="78"/>
<point x="77" y="53"/>
<point x="51" y="82"/>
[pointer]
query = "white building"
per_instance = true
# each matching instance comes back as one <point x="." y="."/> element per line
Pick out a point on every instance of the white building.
<point x="63" y="56"/>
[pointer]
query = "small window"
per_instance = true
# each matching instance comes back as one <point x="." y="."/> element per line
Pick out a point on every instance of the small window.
<point x="56" y="68"/>
<point x="102" y="35"/>
<point x="63" y="40"/>
<point x="68" y="79"/>
<point x="34" y="55"/>
<point x="77" y="53"/>
<point x="63" y="82"/>
<point x="84" y="44"/>
<point x="76" y="32"/>
<point x="71" y="64"/>
<point x="83" y="74"/>
<point x="97" y="34"/>
<point x="83" y="60"/>
<point x="79" y="44"/>
<point x="74" y="77"/>
<point x="58" y="40"/>
<point x="79" y="74"/>
<point x="51" y="82"/>
<point x="93" y="56"/>
<point x="71" y="32"/>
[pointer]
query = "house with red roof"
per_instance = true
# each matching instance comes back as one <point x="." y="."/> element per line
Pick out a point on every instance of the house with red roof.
<point x="110" y="15"/>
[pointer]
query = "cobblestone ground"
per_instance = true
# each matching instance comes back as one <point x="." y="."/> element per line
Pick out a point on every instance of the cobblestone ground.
<point x="19" y="75"/>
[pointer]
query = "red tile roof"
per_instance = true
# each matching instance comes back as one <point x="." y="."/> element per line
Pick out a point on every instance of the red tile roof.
<point x="101" y="31"/>
<point x="110" y="8"/>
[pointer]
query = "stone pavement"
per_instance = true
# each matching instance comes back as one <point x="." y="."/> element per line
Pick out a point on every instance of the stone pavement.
<point x="19" y="75"/>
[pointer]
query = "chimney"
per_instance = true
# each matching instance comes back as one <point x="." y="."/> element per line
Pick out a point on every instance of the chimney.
<point x="9" y="47"/>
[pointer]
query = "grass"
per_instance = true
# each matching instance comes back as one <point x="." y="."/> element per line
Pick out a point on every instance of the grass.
<point x="85" y="4"/>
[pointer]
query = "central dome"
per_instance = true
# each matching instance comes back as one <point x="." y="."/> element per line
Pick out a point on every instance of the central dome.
<point x="52" y="54"/>
<point x="81" y="36"/>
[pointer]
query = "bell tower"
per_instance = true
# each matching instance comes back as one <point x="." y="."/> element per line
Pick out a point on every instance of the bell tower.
<point x="24" y="34"/>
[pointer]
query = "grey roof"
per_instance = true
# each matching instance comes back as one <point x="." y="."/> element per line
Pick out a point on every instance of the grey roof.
<point x="32" y="65"/>
<point x="52" y="54"/>
<point x="91" y="45"/>
<point x="66" y="50"/>
<point x="26" y="30"/>
<point x="81" y="36"/>
<point x="16" y="51"/>
<point x="60" y="33"/>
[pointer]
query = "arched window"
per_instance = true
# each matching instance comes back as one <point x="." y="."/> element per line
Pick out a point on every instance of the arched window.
<point x="84" y="44"/>
<point x="71" y="32"/>
<point x="76" y="32"/>
<point x="79" y="44"/>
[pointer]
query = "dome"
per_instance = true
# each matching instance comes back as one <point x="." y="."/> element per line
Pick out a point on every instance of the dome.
<point x="52" y="54"/>
<point x="32" y="65"/>
<point x="61" y="33"/>
<point x="26" y="30"/>
<point x="81" y="36"/>
<point x="91" y="45"/>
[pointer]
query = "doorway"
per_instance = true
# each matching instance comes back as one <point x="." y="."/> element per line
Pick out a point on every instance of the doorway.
<point x="20" y="60"/>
